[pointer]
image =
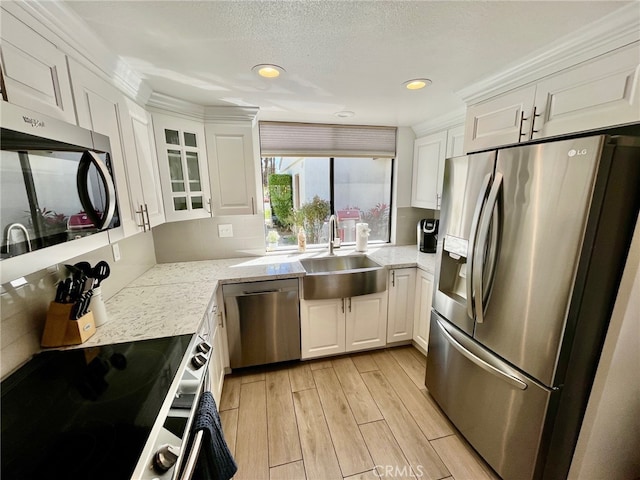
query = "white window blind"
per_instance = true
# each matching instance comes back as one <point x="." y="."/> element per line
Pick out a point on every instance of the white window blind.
<point x="325" y="140"/>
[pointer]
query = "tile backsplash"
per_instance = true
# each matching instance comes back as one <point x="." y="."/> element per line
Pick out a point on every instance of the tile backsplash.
<point x="24" y="309"/>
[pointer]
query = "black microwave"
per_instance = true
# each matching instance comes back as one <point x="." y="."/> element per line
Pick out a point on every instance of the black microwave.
<point x="56" y="182"/>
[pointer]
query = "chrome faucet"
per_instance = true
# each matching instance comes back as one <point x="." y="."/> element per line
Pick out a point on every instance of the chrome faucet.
<point x="21" y="227"/>
<point x="333" y="234"/>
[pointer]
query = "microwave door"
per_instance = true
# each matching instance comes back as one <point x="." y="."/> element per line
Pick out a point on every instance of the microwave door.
<point x="96" y="190"/>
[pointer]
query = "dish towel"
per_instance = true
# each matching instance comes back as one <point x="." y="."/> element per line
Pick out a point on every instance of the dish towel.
<point x="215" y="461"/>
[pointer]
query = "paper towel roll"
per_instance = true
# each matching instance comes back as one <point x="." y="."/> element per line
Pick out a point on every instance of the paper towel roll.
<point x="362" y="236"/>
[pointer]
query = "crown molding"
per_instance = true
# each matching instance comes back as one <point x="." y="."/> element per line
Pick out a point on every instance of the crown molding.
<point x="231" y="114"/>
<point x="437" y="124"/>
<point x="159" y="102"/>
<point x="60" y="25"/>
<point x="616" y="30"/>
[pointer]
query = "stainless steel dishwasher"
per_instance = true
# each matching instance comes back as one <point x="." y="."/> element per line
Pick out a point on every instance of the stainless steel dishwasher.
<point x="263" y="322"/>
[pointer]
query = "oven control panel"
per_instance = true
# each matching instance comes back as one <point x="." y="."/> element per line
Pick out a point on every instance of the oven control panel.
<point x="165" y="452"/>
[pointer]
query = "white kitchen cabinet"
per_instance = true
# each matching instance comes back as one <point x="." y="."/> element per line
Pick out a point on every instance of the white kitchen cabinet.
<point x="182" y="161"/>
<point x="322" y="327"/>
<point x="233" y="157"/>
<point x="148" y="199"/>
<point x="402" y="287"/>
<point x="215" y="335"/>
<point x="455" y="141"/>
<point x="429" y="153"/>
<point x="594" y="94"/>
<point x="366" y="321"/>
<point x="329" y="327"/>
<point x="101" y="107"/>
<point x="34" y="70"/>
<point x="422" y="310"/>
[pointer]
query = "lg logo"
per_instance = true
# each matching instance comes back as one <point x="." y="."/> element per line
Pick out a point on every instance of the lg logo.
<point x="573" y="152"/>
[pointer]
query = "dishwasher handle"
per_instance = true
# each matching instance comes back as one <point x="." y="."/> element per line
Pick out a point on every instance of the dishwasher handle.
<point x="261" y="292"/>
<point x="269" y="287"/>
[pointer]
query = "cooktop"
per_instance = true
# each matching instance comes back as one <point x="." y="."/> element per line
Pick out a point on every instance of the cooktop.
<point x="85" y="413"/>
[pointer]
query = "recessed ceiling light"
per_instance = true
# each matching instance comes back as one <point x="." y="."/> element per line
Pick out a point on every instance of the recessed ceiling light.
<point x="268" y="70"/>
<point x="344" y="114"/>
<point x="416" y="83"/>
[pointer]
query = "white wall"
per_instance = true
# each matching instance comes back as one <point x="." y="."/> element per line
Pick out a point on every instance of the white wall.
<point x="609" y="441"/>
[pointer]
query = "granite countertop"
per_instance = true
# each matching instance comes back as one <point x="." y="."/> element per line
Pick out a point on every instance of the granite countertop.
<point x="172" y="298"/>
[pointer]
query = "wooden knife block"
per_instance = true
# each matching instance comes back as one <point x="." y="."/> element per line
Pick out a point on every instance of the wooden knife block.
<point x="60" y="331"/>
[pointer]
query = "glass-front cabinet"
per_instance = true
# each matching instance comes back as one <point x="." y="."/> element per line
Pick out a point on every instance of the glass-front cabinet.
<point x="184" y="174"/>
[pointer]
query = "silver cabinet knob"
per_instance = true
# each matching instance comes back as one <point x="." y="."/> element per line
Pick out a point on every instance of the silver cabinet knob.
<point x="166" y="457"/>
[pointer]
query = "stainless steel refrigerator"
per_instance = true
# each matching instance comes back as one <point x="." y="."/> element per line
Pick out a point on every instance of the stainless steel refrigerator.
<point x="533" y="241"/>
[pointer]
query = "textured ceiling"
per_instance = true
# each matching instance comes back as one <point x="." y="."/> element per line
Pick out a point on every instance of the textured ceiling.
<point x="338" y="55"/>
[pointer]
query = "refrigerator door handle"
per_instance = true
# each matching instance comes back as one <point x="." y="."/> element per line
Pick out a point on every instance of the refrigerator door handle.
<point x="480" y="248"/>
<point x="472" y="242"/>
<point x="480" y="362"/>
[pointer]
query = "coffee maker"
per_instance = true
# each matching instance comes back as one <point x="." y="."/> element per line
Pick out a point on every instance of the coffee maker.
<point x="427" y="235"/>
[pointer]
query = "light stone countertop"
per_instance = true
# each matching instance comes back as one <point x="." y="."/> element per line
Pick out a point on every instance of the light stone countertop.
<point x="172" y="298"/>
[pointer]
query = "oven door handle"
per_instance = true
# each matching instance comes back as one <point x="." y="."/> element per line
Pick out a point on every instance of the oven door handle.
<point x="192" y="459"/>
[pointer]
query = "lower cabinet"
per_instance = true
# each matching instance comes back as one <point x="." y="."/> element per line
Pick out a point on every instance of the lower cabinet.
<point x="329" y="327"/>
<point x="402" y="287"/>
<point x="218" y="340"/>
<point x="422" y="310"/>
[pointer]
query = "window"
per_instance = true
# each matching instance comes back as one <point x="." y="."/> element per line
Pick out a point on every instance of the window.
<point x="305" y="191"/>
<point x="310" y="171"/>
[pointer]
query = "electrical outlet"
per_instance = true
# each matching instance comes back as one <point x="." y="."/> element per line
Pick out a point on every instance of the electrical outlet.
<point x="225" y="230"/>
<point x="116" y="252"/>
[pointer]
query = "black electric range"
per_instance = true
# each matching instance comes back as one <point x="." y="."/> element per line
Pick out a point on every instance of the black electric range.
<point x="85" y="413"/>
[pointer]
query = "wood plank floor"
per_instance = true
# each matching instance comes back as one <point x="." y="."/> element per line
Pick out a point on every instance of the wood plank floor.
<point x="359" y="416"/>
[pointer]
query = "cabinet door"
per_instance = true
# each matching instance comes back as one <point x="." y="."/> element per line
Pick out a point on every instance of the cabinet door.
<point x="322" y="327"/>
<point x="428" y="172"/>
<point x="100" y="107"/>
<point x="455" y="142"/>
<point x="498" y="121"/>
<point x="232" y="165"/>
<point x="34" y="70"/>
<point x="599" y="93"/>
<point x="401" y="302"/>
<point x="366" y="322"/>
<point x="422" y="312"/>
<point x="150" y="195"/>
<point x="216" y="365"/>
<point x="182" y="161"/>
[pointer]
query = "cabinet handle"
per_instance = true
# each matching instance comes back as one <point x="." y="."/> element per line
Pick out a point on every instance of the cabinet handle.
<point x="343" y="305"/>
<point x="253" y="206"/>
<point x="349" y="303"/>
<point x="393" y="278"/>
<point x="146" y="210"/>
<point x="143" y="225"/>
<point x="438" y="198"/>
<point x="533" y="123"/>
<point x="522" y="119"/>
<point x="208" y="203"/>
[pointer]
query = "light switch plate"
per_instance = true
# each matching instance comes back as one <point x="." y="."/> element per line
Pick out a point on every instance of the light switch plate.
<point x="225" y="230"/>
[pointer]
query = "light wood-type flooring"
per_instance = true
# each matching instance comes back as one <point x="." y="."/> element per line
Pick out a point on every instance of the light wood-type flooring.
<point x="360" y="416"/>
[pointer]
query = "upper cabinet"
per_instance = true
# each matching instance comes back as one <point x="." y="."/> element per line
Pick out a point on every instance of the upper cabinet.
<point x="233" y="159"/>
<point x="598" y="93"/>
<point x="149" y="198"/>
<point x="34" y="71"/>
<point x="428" y="169"/>
<point x="182" y="161"/>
